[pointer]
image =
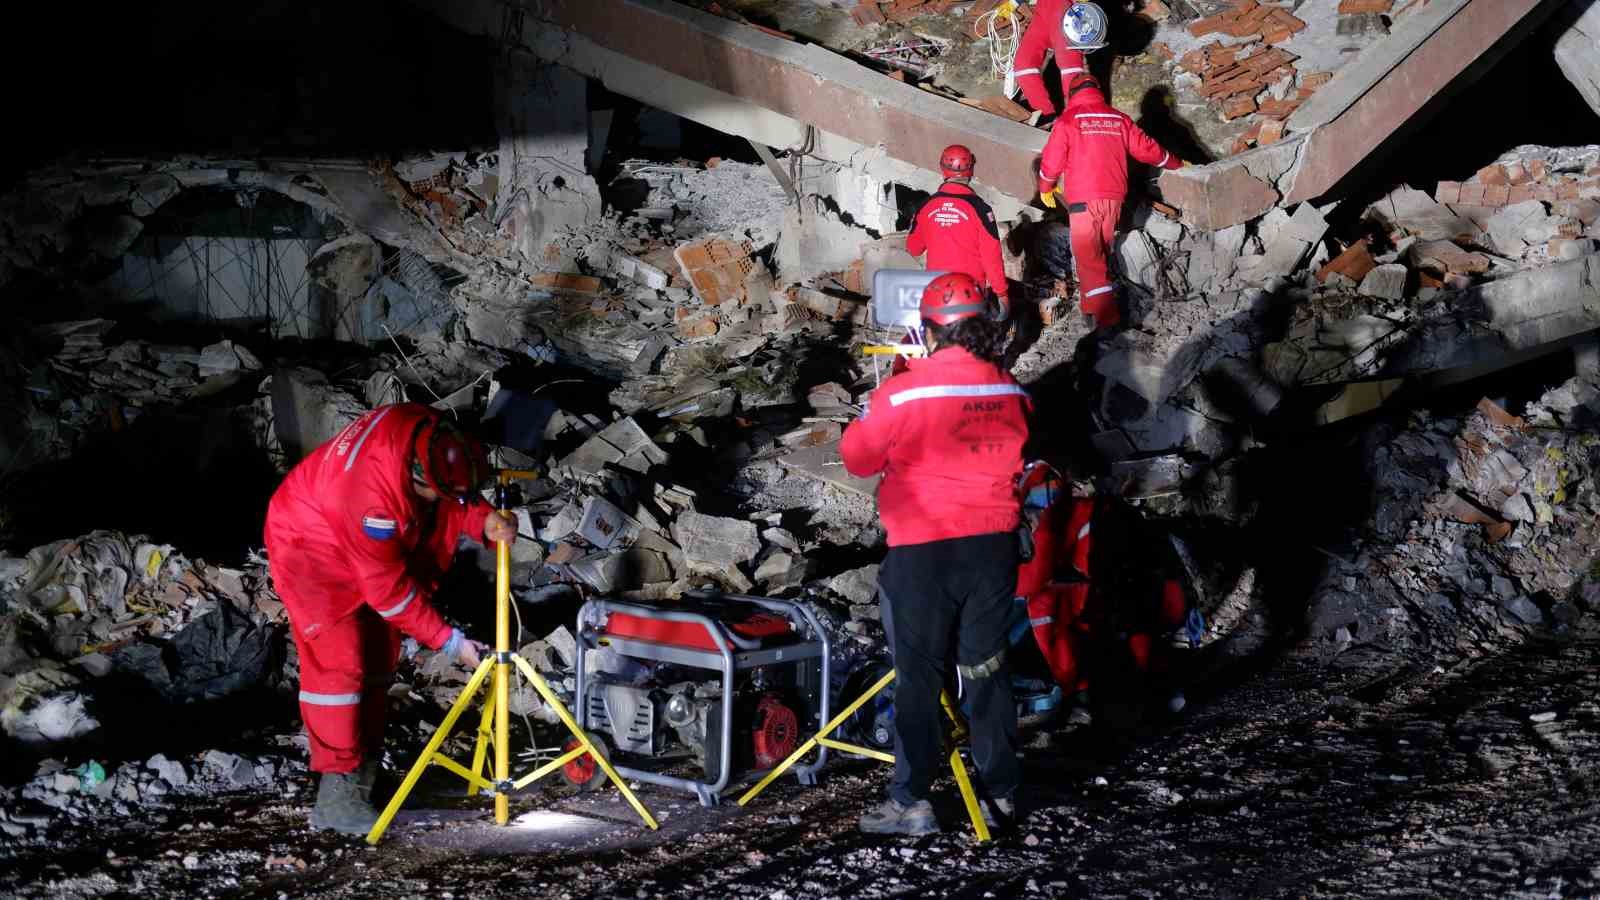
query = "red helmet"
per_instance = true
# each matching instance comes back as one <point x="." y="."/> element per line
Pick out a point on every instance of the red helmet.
<point x="956" y="162"/>
<point x="952" y="297"/>
<point x="447" y="460"/>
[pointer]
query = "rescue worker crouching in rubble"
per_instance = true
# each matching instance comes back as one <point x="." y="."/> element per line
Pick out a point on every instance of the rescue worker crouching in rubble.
<point x="1086" y="159"/>
<point x="947" y="436"/>
<point x="957" y="229"/>
<point x="357" y="536"/>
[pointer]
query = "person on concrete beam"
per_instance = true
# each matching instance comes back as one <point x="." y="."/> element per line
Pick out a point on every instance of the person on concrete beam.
<point x="1065" y="28"/>
<point x="1086" y="160"/>
<point x="947" y="436"/>
<point x="957" y="229"/>
<point x="358" y="536"/>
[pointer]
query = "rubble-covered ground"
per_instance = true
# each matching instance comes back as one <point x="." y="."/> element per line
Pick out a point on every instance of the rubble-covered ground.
<point x="1359" y="433"/>
<point x="1474" y="779"/>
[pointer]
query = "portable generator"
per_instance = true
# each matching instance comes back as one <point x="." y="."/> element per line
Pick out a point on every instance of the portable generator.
<point x="730" y="682"/>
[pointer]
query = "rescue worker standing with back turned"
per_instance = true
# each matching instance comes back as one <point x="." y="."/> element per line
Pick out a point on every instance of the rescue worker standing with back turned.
<point x="1089" y="146"/>
<point x="957" y="229"/>
<point x="947" y="436"/>
<point x="358" y="536"/>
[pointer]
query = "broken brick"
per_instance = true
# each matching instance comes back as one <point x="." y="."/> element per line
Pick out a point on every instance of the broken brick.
<point x="1496" y="195"/>
<point x="1238" y="107"/>
<point x="1448" y="193"/>
<point x="1279" y="109"/>
<point x="1521" y="193"/>
<point x="1271" y="132"/>
<point x="1359" y="7"/>
<point x="1354" y="263"/>
<point x="867" y="13"/>
<point x="1493" y="173"/>
<point x="562" y="281"/>
<point x="1472" y="193"/>
<point x="1153" y="10"/>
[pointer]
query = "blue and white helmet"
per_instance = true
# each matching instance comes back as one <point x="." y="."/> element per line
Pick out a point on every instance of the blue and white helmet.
<point x="1085" y="26"/>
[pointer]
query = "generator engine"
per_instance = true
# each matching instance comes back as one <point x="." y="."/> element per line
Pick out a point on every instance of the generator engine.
<point x="730" y="683"/>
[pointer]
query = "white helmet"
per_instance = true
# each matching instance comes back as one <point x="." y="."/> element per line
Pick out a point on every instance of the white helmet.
<point x="1085" y="26"/>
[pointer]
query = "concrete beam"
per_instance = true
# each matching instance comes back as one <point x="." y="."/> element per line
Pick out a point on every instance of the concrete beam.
<point x="742" y="81"/>
<point x="1371" y="101"/>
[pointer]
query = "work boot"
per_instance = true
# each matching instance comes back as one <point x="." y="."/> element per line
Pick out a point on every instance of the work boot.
<point x="893" y="817"/>
<point x="1000" y="813"/>
<point x="340" y="806"/>
<point x="367" y="776"/>
<point x="1079" y="715"/>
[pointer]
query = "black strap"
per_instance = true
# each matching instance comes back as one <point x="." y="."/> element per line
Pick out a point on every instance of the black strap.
<point x="984" y="211"/>
<point x="1077" y="207"/>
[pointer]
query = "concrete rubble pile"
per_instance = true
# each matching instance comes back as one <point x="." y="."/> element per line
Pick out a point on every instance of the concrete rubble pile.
<point x="1484" y="533"/>
<point x="78" y="610"/>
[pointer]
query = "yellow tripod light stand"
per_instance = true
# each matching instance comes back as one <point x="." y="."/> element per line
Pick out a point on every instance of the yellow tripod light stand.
<point x="497" y="712"/>
<point x="968" y="796"/>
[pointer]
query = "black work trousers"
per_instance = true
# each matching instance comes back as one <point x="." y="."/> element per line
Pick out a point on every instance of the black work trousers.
<point x="955" y="592"/>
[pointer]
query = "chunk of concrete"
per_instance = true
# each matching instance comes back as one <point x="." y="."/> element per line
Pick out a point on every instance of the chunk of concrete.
<point x="1386" y="281"/>
<point x="1413" y="212"/>
<point x="713" y="543"/>
<point x="1577" y="50"/>
<point x="859" y="586"/>
<point x="1510" y="227"/>
<point x="1217" y="196"/>
<point x="622" y="443"/>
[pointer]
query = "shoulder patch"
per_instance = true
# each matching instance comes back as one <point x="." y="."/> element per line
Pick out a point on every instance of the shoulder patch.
<point x="379" y="525"/>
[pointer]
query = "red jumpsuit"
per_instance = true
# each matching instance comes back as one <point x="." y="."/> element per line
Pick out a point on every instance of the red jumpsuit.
<point x="355" y="555"/>
<point x="957" y="230"/>
<point x="1090" y="145"/>
<point x="1044" y="33"/>
<point x="947" y="435"/>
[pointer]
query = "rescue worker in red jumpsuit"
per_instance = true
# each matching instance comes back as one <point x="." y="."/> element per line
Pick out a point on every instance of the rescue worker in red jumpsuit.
<point x="358" y="536"/>
<point x="947" y="436"/>
<point x="957" y="229"/>
<point x="1046" y="32"/>
<point x="1088" y="154"/>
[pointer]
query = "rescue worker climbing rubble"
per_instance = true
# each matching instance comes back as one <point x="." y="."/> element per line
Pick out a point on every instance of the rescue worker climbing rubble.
<point x="957" y="229"/>
<point x="357" y="536"/>
<point x="1086" y="159"/>
<point x="947" y="436"/>
<point x="1065" y="28"/>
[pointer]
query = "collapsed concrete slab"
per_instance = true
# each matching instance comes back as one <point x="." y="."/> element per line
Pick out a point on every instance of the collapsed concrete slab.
<point x="779" y="93"/>
<point x="545" y="190"/>
<point x="1366" y="106"/>
<point x="1578" y="49"/>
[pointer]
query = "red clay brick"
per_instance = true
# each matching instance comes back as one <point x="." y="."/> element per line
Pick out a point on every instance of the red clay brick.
<point x="1472" y="193"/>
<point x="867" y="13"/>
<point x="1448" y="193"/>
<point x="1238" y="106"/>
<point x="1356" y="7"/>
<point x="1521" y="193"/>
<point x="1516" y="174"/>
<point x="1493" y="173"/>
<point x="1354" y="263"/>
<point x="1544" y="192"/>
<point x="1271" y="132"/>
<point x="1496" y="194"/>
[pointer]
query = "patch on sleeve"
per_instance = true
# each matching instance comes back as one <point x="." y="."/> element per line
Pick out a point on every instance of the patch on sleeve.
<point x="379" y="525"/>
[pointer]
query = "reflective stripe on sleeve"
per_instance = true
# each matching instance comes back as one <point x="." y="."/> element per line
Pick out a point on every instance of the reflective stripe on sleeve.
<point x="1074" y="70"/>
<point x="1164" y="158"/>
<point x="356" y="450"/>
<point x="316" y="699"/>
<point x="1099" y="290"/>
<point x="1021" y="72"/>
<point x="955" y="390"/>
<point x="400" y="607"/>
<point x="1084" y="531"/>
<point x="1042" y="620"/>
<point x="1097" y="116"/>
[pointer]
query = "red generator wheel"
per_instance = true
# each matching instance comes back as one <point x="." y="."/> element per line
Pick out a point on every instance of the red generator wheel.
<point x="584" y="772"/>
<point x="774" y="733"/>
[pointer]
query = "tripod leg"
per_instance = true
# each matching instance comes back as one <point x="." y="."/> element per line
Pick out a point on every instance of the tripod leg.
<point x="968" y="795"/>
<point x="429" y="751"/>
<point x="827" y="729"/>
<point x="481" y="754"/>
<point x="539" y="685"/>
